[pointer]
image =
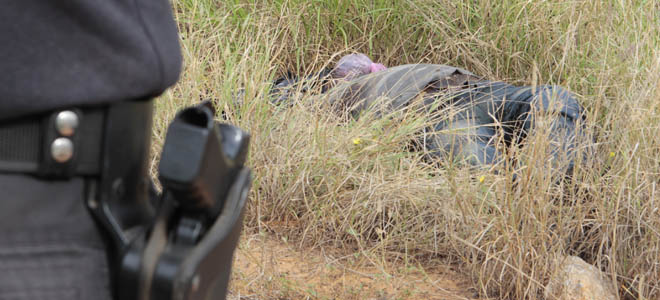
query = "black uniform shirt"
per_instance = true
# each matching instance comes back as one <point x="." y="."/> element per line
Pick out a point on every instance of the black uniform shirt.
<point x="62" y="53"/>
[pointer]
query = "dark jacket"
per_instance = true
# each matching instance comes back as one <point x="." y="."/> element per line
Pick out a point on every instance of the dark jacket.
<point x="57" y="54"/>
<point x="481" y="109"/>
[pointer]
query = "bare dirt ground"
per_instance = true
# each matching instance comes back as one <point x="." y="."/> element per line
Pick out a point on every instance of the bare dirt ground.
<point x="271" y="268"/>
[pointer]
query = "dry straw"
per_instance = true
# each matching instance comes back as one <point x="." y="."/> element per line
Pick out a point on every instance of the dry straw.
<point x="358" y="185"/>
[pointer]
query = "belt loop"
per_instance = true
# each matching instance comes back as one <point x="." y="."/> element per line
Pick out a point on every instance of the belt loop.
<point x="60" y="144"/>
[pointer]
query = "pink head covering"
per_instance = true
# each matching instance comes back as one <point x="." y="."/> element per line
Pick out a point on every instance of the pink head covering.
<point x="355" y="65"/>
<point x="374" y="67"/>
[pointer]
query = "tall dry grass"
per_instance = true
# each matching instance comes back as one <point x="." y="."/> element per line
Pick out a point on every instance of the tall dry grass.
<point x="317" y="185"/>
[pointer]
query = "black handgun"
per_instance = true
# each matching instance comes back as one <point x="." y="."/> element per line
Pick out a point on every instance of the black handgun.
<point x="184" y="250"/>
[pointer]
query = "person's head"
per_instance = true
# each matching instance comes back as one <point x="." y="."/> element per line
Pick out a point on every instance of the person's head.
<point x="355" y="65"/>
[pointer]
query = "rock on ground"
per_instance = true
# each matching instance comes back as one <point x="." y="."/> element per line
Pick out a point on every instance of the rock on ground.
<point x="577" y="280"/>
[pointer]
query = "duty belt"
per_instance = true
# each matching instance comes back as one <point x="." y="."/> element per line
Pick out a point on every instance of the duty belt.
<point x="66" y="142"/>
<point x="177" y="245"/>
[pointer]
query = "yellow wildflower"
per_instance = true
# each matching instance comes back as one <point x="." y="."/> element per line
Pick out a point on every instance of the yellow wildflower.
<point x="357" y="141"/>
<point x="612" y="154"/>
<point x="482" y="178"/>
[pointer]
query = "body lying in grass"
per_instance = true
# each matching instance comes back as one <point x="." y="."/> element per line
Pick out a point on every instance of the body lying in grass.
<point x="469" y="113"/>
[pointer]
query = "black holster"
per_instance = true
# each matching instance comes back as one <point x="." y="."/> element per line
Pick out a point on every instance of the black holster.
<point x="177" y="244"/>
<point x="58" y="167"/>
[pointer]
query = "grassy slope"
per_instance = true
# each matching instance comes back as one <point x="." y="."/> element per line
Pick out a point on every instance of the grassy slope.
<point x="313" y="184"/>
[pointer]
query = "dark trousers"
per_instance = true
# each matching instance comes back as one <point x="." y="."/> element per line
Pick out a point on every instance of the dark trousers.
<point x="477" y="117"/>
<point x="50" y="247"/>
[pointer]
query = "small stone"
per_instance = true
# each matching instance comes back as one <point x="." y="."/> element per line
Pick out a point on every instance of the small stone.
<point x="575" y="279"/>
